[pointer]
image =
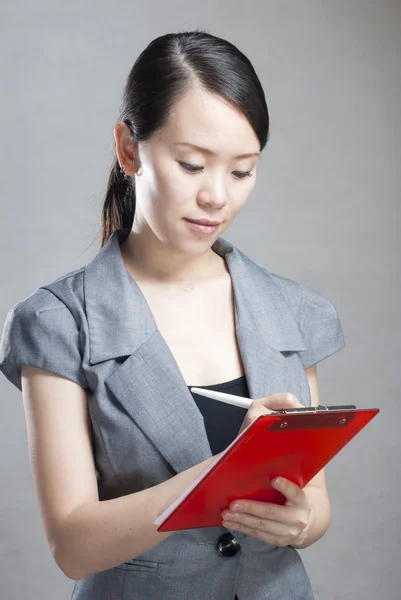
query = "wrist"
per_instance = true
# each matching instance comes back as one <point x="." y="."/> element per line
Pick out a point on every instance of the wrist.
<point x="304" y="538"/>
<point x="319" y="517"/>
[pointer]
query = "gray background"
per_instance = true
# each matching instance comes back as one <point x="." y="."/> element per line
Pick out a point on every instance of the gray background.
<point x="325" y="211"/>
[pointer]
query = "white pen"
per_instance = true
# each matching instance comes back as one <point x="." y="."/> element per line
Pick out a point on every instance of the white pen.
<point x="229" y="398"/>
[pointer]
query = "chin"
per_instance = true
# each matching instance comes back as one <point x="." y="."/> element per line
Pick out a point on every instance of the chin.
<point x="194" y="247"/>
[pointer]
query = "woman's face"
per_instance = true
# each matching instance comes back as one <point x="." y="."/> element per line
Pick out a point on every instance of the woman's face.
<point x="182" y="183"/>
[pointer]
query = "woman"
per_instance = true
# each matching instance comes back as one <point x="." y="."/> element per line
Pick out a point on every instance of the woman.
<point x="105" y="355"/>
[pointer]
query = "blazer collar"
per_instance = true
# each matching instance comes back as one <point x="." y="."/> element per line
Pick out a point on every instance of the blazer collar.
<point x="120" y="319"/>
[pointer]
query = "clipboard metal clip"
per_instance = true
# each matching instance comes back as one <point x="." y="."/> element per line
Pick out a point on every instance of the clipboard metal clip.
<point x="314" y="409"/>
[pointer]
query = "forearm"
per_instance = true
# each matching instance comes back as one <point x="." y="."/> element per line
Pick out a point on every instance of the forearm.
<point x="319" y="516"/>
<point x="101" y="535"/>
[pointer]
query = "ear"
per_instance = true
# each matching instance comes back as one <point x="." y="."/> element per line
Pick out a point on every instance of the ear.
<point x="126" y="148"/>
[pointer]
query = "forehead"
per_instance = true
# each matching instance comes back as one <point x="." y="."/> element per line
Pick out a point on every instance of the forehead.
<point x="205" y="119"/>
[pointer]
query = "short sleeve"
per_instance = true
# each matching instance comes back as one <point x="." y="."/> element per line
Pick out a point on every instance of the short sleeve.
<point x="320" y="327"/>
<point x="41" y="332"/>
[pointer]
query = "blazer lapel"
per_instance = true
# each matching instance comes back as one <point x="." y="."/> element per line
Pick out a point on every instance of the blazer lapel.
<point x="148" y="383"/>
<point x="267" y="370"/>
<point x="152" y="390"/>
<point x="265" y="326"/>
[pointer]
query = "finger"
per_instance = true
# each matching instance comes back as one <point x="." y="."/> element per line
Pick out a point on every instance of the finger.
<point x="268" y="404"/>
<point x="292" y="516"/>
<point x="263" y="406"/>
<point x="294" y="494"/>
<point x="278" y="401"/>
<point x="284" y="537"/>
<point x="262" y="510"/>
<point x="266" y="526"/>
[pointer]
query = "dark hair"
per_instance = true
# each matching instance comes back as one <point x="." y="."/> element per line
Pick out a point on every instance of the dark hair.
<point x="162" y="73"/>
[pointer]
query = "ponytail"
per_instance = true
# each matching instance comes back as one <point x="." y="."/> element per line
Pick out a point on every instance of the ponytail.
<point x="119" y="205"/>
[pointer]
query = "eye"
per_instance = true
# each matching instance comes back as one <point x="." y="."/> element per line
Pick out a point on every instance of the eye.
<point x="197" y="169"/>
<point x="242" y="174"/>
<point x="190" y="168"/>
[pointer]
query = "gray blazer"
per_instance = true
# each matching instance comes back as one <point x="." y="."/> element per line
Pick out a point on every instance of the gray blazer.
<point x="94" y="326"/>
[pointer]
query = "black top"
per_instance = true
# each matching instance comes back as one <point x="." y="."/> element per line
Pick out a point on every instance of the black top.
<point x="222" y="420"/>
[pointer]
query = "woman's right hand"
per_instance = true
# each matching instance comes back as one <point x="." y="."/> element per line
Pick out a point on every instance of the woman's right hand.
<point x="267" y="405"/>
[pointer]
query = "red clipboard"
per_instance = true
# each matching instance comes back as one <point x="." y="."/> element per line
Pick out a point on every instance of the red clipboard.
<point x="295" y="445"/>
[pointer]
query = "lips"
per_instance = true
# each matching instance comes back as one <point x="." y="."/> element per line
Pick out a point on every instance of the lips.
<point x="204" y="222"/>
<point x="203" y="226"/>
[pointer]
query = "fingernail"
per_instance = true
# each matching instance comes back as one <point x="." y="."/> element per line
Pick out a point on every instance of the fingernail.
<point x="237" y="507"/>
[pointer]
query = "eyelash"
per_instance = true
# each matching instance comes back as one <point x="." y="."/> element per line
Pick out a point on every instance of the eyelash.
<point x="196" y="169"/>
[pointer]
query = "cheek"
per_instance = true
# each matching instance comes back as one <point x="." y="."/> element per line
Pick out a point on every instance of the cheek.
<point x="239" y="194"/>
<point x="173" y="190"/>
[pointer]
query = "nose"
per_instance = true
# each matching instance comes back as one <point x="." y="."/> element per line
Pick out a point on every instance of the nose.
<point x="212" y="194"/>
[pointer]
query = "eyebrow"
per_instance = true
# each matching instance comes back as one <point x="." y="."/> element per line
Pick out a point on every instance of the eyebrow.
<point x="208" y="151"/>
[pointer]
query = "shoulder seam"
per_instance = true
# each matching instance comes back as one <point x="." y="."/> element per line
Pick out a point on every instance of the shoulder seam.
<point x="63" y="305"/>
<point x="277" y="281"/>
<point x="301" y="304"/>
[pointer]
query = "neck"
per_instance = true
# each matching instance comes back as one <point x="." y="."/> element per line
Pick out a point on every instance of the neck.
<point x="148" y="259"/>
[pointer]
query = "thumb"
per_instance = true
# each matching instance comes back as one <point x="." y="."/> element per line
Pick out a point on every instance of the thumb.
<point x="279" y="401"/>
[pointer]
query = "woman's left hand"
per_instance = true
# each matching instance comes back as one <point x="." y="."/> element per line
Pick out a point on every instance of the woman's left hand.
<point x="278" y="525"/>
